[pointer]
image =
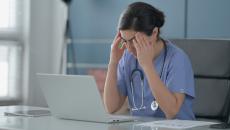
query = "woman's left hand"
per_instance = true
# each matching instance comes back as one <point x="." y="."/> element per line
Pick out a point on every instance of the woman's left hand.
<point x="145" y="50"/>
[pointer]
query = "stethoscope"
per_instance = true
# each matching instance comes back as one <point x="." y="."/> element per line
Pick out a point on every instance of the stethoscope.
<point x="154" y="104"/>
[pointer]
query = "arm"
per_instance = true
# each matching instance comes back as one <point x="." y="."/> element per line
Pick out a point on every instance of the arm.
<point x="113" y="100"/>
<point x="169" y="102"/>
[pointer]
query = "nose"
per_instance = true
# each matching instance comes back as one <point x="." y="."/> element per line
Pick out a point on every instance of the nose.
<point x="130" y="48"/>
<point x="129" y="45"/>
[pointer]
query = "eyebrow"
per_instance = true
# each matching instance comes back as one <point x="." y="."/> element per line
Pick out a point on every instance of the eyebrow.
<point x="129" y="39"/>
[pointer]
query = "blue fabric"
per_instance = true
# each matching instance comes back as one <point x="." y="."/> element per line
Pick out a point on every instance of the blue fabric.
<point x="177" y="75"/>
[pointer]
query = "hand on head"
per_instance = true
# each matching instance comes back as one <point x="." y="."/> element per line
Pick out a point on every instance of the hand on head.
<point x="144" y="49"/>
<point x="117" y="49"/>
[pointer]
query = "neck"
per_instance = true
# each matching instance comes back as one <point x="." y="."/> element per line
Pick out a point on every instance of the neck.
<point x="159" y="47"/>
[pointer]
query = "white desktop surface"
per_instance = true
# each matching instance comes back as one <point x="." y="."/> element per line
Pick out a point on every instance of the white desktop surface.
<point x="52" y="123"/>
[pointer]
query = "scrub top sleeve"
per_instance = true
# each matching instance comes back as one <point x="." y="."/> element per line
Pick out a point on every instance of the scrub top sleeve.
<point x="180" y="78"/>
<point x="121" y="77"/>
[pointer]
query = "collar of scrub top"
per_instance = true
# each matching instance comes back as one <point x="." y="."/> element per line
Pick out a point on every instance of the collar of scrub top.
<point x="154" y="104"/>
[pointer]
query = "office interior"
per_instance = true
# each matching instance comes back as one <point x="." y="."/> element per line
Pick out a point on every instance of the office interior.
<point x="34" y="38"/>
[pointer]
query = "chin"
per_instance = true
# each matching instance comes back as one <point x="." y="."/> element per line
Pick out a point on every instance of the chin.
<point x="134" y="54"/>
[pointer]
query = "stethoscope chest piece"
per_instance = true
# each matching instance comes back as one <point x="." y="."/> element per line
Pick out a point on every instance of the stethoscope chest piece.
<point x="154" y="105"/>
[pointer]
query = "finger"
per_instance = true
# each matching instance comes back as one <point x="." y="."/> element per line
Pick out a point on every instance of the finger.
<point x="136" y="45"/>
<point x="117" y="41"/>
<point x="144" y="43"/>
<point x="138" y="39"/>
<point x="145" y="40"/>
<point x="118" y="34"/>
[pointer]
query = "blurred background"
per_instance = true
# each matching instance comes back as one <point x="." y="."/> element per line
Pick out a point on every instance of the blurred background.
<point x="35" y="37"/>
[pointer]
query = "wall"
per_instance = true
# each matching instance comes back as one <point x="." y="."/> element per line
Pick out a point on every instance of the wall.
<point x="94" y="25"/>
<point x="208" y="19"/>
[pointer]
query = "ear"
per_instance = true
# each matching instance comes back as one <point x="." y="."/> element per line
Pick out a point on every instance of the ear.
<point x="155" y="34"/>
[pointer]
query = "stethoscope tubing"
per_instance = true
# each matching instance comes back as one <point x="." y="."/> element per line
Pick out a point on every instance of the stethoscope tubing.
<point x="142" y="82"/>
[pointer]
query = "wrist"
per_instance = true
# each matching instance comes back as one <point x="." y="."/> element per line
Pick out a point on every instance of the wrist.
<point x="148" y="66"/>
<point x="113" y="63"/>
<point x="149" y="69"/>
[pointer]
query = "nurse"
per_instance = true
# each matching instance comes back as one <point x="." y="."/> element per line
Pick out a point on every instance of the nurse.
<point x="155" y="75"/>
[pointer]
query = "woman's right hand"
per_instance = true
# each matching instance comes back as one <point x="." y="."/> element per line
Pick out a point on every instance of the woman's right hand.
<point x="117" y="50"/>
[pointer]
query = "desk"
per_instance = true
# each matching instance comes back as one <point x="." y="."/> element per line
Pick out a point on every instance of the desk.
<point x="52" y="123"/>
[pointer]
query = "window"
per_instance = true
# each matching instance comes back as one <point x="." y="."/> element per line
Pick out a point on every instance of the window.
<point x="10" y="49"/>
<point x="7" y="14"/>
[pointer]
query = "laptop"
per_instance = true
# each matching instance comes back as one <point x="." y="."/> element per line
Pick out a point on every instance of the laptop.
<point x="76" y="97"/>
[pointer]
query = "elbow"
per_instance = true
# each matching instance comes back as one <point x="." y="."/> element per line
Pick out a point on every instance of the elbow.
<point x="112" y="106"/>
<point x="109" y="110"/>
<point x="172" y="113"/>
<point x="173" y="110"/>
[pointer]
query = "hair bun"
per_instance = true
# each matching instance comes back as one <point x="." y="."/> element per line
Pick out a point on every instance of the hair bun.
<point x="160" y="23"/>
<point x="160" y="20"/>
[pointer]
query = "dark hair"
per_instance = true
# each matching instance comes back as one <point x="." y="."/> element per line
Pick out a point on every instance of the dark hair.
<point x="141" y="17"/>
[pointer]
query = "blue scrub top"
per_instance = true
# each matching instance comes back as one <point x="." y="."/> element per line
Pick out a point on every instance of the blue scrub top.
<point x="177" y="75"/>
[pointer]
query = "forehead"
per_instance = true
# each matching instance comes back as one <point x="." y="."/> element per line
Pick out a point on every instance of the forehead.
<point x="127" y="34"/>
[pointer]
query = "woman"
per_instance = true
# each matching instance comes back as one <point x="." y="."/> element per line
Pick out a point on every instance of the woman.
<point x="154" y="74"/>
